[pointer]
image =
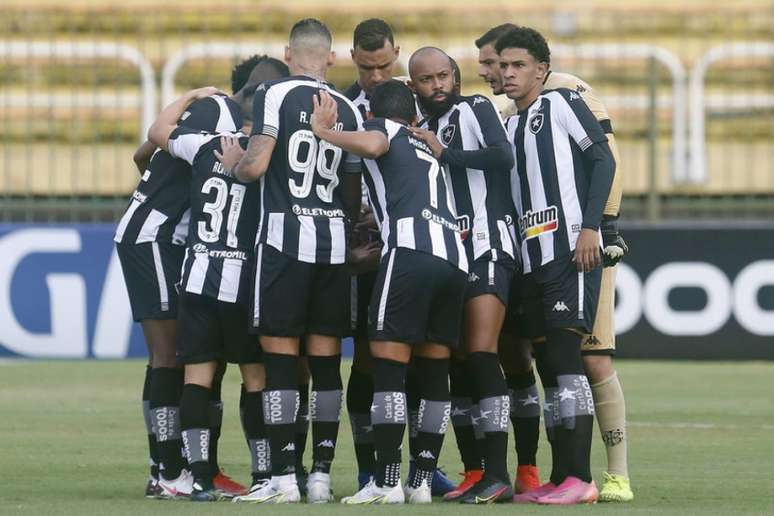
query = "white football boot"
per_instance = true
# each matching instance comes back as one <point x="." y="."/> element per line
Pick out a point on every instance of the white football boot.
<point x="371" y="494"/>
<point x="420" y="495"/>
<point x="318" y="488"/>
<point x="274" y="491"/>
<point x="180" y="487"/>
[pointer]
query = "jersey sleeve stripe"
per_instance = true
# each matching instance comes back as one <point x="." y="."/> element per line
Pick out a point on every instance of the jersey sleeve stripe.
<point x="270" y="130"/>
<point x="585" y="143"/>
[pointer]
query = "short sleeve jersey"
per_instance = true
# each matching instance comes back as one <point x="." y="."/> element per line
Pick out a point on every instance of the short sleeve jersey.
<point x="302" y="209"/>
<point x="224" y="218"/>
<point x="158" y="209"/>
<point x="411" y="198"/>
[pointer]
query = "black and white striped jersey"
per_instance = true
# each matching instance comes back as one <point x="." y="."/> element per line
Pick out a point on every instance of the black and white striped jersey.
<point x="482" y="195"/>
<point x="158" y="208"/>
<point x="359" y="98"/>
<point x="224" y="218"/>
<point x="411" y="197"/>
<point x="551" y="176"/>
<point x="302" y="210"/>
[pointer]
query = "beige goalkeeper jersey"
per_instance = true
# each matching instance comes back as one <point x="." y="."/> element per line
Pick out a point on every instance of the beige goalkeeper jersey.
<point x="556" y="80"/>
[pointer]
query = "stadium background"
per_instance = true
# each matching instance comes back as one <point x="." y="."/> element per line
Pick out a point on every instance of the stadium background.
<point x="688" y="84"/>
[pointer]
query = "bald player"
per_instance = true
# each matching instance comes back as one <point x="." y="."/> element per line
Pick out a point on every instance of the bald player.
<point x="467" y="136"/>
<point x="598" y="347"/>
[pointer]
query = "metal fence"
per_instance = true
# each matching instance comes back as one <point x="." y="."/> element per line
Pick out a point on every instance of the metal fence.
<point x="689" y="91"/>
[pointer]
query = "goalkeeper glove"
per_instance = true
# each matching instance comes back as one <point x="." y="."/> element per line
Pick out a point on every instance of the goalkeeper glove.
<point x="614" y="245"/>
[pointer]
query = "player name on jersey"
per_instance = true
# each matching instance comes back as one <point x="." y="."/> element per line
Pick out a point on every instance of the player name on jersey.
<point x="302" y="210"/>
<point x="410" y="196"/>
<point x="224" y="218"/>
<point x="158" y="208"/>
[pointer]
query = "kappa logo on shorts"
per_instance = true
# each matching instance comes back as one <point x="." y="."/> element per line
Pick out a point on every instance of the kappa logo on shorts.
<point x="473" y="277"/>
<point x="327" y="443"/>
<point x="560" y="307"/>
<point x="591" y="341"/>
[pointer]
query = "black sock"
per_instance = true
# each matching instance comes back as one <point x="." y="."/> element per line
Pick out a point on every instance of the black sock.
<point x="433" y="418"/>
<point x="195" y="423"/>
<point x="525" y="415"/>
<point x="461" y="398"/>
<point x="280" y="406"/>
<point x="302" y="424"/>
<point x="574" y="401"/>
<point x="360" y="396"/>
<point x="255" y="434"/>
<point x="216" y="420"/>
<point x="413" y="397"/>
<point x="495" y="406"/>
<point x="242" y="393"/>
<point x="325" y="409"/>
<point x="153" y="449"/>
<point x="165" y="391"/>
<point x="550" y="414"/>
<point x="388" y="416"/>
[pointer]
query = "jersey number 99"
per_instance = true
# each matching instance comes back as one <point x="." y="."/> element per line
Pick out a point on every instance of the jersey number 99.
<point x="321" y="157"/>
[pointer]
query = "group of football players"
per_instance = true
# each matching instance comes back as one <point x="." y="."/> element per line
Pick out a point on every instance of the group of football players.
<point x="455" y="244"/>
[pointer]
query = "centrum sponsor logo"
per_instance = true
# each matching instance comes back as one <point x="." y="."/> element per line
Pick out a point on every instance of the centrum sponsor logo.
<point x="318" y="212"/>
<point x="535" y="223"/>
<point x="429" y="215"/>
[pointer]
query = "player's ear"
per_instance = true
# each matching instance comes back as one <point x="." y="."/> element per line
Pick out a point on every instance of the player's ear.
<point x="287" y="55"/>
<point x="331" y="58"/>
<point x="396" y="50"/>
<point x="410" y="84"/>
<point x="542" y="70"/>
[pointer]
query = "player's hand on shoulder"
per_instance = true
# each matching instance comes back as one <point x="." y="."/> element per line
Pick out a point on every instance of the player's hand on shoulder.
<point x="325" y="112"/>
<point x="587" y="256"/>
<point x="231" y="153"/>
<point x="203" y="93"/>
<point x="429" y="138"/>
<point x="615" y="247"/>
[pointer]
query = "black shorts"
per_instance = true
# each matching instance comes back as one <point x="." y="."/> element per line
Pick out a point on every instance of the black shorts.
<point x="417" y="298"/>
<point x="151" y="271"/>
<point x="490" y="277"/>
<point x="515" y="322"/>
<point x="362" y="289"/>
<point x="558" y="296"/>
<point x="208" y="329"/>
<point x="295" y="298"/>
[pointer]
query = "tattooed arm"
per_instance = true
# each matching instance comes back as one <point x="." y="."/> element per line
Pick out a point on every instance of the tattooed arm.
<point x="255" y="161"/>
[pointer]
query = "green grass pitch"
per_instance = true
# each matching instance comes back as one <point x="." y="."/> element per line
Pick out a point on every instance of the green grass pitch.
<point x="72" y="441"/>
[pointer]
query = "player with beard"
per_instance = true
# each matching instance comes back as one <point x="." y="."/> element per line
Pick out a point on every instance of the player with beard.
<point x="467" y="136"/>
<point x="150" y="240"/>
<point x="598" y="346"/>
